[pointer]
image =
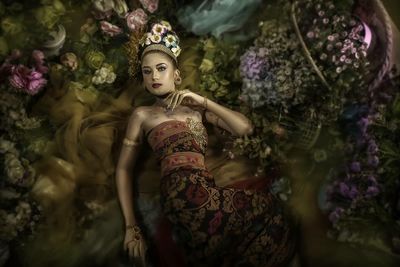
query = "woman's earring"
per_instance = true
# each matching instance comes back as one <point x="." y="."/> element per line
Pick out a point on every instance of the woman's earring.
<point x="178" y="80"/>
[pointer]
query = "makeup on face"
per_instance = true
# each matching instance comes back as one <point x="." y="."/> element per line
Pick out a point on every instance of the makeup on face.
<point x="158" y="73"/>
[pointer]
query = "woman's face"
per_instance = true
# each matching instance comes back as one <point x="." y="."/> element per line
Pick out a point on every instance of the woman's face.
<point x="159" y="73"/>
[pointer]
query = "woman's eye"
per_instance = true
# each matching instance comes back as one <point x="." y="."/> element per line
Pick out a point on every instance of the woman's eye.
<point x="162" y="68"/>
<point x="146" y="71"/>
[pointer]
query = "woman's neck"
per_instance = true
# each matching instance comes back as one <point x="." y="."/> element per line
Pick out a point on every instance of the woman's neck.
<point x="160" y="100"/>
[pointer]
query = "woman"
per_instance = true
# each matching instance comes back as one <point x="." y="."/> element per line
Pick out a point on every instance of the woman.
<point x="215" y="226"/>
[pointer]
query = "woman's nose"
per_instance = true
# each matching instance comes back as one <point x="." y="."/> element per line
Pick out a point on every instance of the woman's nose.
<point x="155" y="75"/>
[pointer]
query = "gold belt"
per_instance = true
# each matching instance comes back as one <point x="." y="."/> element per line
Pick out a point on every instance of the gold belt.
<point x="179" y="159"/>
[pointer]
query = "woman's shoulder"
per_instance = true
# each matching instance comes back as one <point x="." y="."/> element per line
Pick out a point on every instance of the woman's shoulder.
<point x="141" y="111"/>
<point x="139" y="114"/>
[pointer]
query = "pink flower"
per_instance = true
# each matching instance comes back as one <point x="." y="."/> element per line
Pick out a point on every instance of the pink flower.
<point x="38" y="57"/>
<point x="136" y="19"/>
<point x="150" y="5"/>
<point x="110" y="29"/>
<point x="28" y="80"/>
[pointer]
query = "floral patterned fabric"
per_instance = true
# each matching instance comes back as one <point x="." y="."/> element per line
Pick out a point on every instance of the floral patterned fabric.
<point x="216" y="226"/>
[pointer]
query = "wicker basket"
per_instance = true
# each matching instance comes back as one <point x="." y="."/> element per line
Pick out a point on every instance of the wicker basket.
<point x="381" y="52"/>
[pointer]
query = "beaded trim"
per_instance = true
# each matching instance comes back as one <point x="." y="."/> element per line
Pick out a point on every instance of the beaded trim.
<point x="198" y="131"/>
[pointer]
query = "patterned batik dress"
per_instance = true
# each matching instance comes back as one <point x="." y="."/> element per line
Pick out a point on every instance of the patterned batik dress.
<point x="215" y="226"/>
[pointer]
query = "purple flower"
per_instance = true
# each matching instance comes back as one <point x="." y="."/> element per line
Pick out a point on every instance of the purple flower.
<point x="355" y="166"/>
<point x="373" y="161"/>
<point x="28" y="80"/>
<point x="372" y="179"/>
<point x="372" y="147"/>
<point x="363" y="124"/>
<point x="38" y="57"/>
<point x="254" y="64"/>
<point x="348" y="191"/>
<point x="372" y="191"/>
<point x="335" y="215"/>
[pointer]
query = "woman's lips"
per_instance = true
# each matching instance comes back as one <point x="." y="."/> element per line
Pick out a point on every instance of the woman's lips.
<point x="156" y="85"/>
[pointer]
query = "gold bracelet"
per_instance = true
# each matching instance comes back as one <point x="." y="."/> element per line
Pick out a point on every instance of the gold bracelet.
<point x="205" y="102"/>
<point x="129" y="142"/>
<point x="137" y="233"/>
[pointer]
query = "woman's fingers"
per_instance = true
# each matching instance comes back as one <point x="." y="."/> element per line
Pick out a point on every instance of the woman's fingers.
<point x="175" y="100"/>
<point x="170" y="104"/>
<point x="180" y="99"/>
<point x="131" y="251"/>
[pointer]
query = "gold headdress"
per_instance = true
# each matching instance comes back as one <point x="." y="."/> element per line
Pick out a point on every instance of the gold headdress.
<point x="159" y="38"/>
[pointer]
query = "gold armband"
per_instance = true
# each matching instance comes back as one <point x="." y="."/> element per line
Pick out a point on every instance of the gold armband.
<point x="128" y="142"/>
<point x="205" y="102"/>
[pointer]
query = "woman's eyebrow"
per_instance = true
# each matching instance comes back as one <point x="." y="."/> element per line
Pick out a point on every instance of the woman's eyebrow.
<point x="159" y="64"/>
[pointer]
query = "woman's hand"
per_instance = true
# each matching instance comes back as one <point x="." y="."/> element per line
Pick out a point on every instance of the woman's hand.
<point x="135" y="246"/>
<point x="185" y="97"/>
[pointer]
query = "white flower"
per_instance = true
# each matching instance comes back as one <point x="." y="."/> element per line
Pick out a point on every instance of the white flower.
<point x="111" y="77"/>
<point x="156" y="38"/>
<point x="103" y="72"/>
<point x="176" y="50"/>
<point x="158" y="29"/>
<point x="104" y="75"/>
<point x="170" y="40"/>
<point x="148" y="41"/>
<point x="98" y="80"/>
<point x="166" y="24"/>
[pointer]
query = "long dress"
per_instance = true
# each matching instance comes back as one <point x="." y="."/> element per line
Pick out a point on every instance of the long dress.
<point x="215" y="226"/>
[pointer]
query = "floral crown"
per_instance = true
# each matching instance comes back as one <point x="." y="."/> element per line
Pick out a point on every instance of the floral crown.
<point x="161" y="38"/>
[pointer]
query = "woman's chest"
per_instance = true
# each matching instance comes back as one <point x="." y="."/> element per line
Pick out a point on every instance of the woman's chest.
<point x="159" y="115"/>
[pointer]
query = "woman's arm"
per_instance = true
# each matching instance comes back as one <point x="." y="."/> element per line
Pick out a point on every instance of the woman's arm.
<point x="133" y="241"/>
<point x="233" y="121"/>
<point x="127" y="159"/>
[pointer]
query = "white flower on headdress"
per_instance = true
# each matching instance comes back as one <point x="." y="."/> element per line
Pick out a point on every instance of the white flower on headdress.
<point x="176" y="50"/>
<point x="166" y="24"/>
<point x="170" y="40"/>
<point x="159" y="29"/>
<point x="146" y="39"/>
<point x="156" y="38"/>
